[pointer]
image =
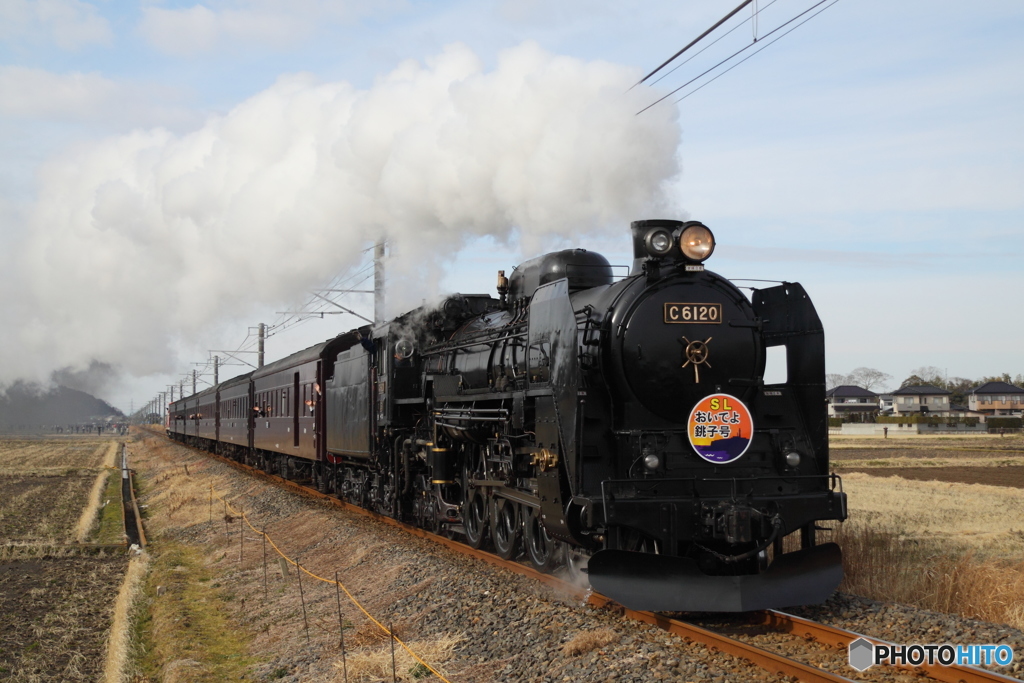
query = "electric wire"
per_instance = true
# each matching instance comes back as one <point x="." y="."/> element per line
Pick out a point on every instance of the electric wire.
<point x="740" y="51"/>
<point x="693" y="42"/>
<point x="288" y="321"/>
<point x="717" y="76"/>
<point x="698" y="52"/>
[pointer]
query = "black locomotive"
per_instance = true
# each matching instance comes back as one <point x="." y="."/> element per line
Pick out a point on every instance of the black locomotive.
<point x="621" y="427"/>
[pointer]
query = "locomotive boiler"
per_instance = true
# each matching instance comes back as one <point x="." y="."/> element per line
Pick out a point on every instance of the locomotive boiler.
<point x="619" y="426"/>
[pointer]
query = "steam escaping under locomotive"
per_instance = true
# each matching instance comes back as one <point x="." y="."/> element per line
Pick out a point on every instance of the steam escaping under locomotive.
<point x="619" y="426"/>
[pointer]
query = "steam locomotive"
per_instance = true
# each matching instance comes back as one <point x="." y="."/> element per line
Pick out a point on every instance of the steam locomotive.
<point x="620" y="427"/>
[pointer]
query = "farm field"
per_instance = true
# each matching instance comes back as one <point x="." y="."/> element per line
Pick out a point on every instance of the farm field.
<point x="58" y="590"/>
<point x="57" y="613"/>
<point x="937" y="522"/>
<point x="990" y="460"/>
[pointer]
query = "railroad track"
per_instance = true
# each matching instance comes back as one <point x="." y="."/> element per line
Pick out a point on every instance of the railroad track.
<point x="714" y="638"/>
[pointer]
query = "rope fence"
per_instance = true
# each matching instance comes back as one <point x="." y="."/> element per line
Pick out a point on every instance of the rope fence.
<point x="300" y="570"/>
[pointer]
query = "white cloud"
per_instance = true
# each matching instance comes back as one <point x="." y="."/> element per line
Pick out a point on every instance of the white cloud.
<point x="146" y="238"/>
<point x="272" y="24"/>
<point x="36" y="93"/>
<point x="37" y="96"/>
<point x="70" y="24"/>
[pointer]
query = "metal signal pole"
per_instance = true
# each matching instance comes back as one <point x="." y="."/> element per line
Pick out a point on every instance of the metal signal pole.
<point x="263" y="336"/>
<point x="216" y="370"/>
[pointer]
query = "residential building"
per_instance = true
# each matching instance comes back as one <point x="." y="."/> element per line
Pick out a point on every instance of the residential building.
<point x="997" y="398"/>
<point x="924" y="399"/>
<point x="847" y="400"/>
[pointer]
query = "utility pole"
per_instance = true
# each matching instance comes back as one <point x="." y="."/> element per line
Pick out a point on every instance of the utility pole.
<point x="216" y="370"/>
<point x="193" y="382"/>
<point x="171" y="388"/>
<point x="263" y="336"/>
<point x="378" y="282"/>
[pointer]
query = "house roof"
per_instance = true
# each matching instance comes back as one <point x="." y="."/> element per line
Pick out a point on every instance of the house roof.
<point x="997" y="388"/>
<point x="849" y="391"/>
<point x="921" y="390"/>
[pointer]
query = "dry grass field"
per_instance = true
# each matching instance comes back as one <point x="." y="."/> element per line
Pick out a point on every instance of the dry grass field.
<point x="58" y="595"/>
<point x="924" y="531"/>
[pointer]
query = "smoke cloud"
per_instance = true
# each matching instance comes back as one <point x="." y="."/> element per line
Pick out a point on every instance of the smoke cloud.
<point x="142" y="240"/>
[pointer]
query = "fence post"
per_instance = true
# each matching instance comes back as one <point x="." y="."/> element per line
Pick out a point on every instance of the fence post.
<point x="341" y="625"/>
<point x="302" y="598"/>
<point x="394" y="671"/>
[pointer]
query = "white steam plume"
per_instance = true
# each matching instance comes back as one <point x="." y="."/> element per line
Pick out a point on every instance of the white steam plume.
<point x="147" y="238"/>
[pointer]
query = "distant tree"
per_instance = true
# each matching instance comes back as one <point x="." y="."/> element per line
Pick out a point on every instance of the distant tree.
<point x="834" y="379"/>
<point x="961" y="387"/>
<point x="929" y="374"/>
<point x="912" y="381"/>
<point x="1005" y="377"/>
<point x="869" y="379"/>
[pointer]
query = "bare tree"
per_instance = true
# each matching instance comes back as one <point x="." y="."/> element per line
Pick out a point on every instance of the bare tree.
<point x="833" y="380"/>
<point x="930" y="374"/>
<point x="870" y="379"/>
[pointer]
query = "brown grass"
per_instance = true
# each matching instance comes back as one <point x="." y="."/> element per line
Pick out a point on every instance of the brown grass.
<point x="943" y="546"/>
<point x="374" y="664"/>
<point x="986" y="519"/>
<point x="887" y="564"/>
<point x="585" y="641"/>
<point x="92" y="508"/>
<point x="119" y="644"/>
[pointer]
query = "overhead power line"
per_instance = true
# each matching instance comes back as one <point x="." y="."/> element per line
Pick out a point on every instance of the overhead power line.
<point x="744" y="49"/>
<point x="717" y="76"/>
<point x="686" y="61"/>
<point x="696" y="40"/>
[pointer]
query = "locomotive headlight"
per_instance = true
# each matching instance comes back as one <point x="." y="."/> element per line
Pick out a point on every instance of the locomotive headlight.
<point x="793" y="459"/>
<point x="651" y="461"/>
<point x="696" y="242"/>
<point x="658" y="242"/>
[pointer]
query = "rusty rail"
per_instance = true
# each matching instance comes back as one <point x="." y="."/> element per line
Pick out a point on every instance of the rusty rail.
<point x="839" y="638"/>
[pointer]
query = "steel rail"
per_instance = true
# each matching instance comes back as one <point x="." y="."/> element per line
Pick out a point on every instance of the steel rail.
<point x="840" y="638"/>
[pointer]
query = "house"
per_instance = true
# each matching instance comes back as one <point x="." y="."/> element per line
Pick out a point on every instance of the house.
<point x="847" y="400"/>
<point x="924" y="399"/>
<point x="997" y="398"/>
<point x="885" y="404"/>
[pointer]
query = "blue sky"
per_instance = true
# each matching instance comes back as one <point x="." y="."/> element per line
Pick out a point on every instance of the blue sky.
<point x="875" y="154"/>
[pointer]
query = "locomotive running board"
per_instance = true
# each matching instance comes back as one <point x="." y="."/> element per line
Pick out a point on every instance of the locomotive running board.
<point x="643" y="581"/>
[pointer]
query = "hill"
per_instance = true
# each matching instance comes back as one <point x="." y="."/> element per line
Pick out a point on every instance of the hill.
<point x="28" y="405"/>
